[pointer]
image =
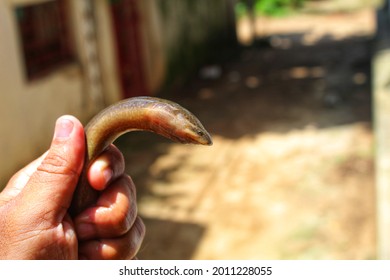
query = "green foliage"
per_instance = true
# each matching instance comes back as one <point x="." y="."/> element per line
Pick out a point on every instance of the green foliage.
<point x="272" y="7"/>
<point x="269" y="7"/>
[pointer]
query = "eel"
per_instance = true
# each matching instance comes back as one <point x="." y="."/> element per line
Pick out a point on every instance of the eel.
<point x="156" y="115"/>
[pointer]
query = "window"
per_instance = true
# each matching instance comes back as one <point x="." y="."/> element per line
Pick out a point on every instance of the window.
<point x="44" y="36"/>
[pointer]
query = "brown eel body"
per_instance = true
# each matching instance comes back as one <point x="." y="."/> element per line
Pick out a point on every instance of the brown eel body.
<point x="157" y="115"/>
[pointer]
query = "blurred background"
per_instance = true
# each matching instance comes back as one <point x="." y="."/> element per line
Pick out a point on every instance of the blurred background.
<point x="292" y="91"/>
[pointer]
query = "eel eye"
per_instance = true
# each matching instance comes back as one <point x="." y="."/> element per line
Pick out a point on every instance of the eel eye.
<point x="200" y="133"/>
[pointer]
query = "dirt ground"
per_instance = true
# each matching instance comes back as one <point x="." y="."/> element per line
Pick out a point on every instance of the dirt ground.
<point x="290" y="174"/>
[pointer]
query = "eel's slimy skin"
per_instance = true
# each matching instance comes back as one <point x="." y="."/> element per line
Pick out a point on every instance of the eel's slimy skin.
<point x="157" y="115"/>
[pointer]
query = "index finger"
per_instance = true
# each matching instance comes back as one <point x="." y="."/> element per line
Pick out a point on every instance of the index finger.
<point x="106" y="168"/>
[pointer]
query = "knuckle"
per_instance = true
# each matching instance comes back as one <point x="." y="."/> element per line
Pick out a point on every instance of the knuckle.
<point x="122" y="214"/>
<point x="56" y="164"/>
<point x="139" y="227"/>
<point x="125" y="220"/>
<point x="117" y="155"/>
<point x="114" y="158"/>
<point x="130" y="185"/>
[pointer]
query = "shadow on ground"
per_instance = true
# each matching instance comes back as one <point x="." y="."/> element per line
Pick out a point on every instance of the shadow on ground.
<point x="270" y="89"/>
<point x="265" y="88"/>
<point x="165" y="247"/>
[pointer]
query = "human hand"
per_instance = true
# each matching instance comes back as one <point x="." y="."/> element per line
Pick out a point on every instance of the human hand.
<point x="34" y="219"/>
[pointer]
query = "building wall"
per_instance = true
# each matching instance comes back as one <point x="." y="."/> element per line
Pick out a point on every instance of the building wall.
<point x="28" y="109"/>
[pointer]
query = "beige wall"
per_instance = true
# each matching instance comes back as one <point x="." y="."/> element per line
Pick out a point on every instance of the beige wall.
<point x="28" y="109"/>
<point x="107" y="53"/>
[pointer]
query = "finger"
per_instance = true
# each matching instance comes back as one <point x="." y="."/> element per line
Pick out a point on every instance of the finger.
<point x="106" y="168"/>
<point x="124" y="247"/>
<point x="51" y="186"/>
<point x="70" y="236"/>
<point x="114" y="214"/>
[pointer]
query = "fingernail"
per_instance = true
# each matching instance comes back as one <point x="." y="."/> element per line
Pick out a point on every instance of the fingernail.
<point x="101" y="166"/>
<point x="64" y="128"/>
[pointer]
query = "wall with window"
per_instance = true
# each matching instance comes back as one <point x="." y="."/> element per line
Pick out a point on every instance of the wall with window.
<point x="49" y="66"/>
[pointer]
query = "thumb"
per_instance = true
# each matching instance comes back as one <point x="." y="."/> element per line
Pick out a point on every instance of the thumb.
<point x="50" y="188"/>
